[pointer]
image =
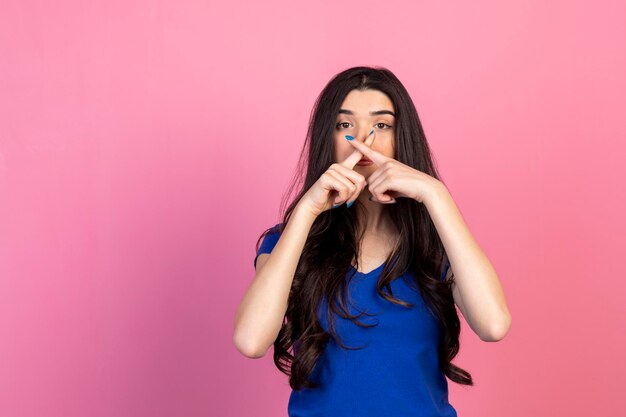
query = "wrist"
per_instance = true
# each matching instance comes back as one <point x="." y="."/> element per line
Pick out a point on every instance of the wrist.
<point x="303" y="211"/>
<point x="438" y="193"/>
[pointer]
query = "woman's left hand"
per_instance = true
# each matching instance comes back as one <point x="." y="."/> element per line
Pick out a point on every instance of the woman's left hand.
<point x="394" y="179"/>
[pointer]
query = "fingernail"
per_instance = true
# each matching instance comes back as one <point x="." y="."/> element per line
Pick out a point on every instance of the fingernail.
<point x="349" y="204"/>
<point x="349" y="137"/>
<point x="371" y="132"/>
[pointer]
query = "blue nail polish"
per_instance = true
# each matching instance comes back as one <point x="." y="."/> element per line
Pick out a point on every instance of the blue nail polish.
<point x="371" y="132"/>
<point x="336" y="205"/>
<point x="349" y="204"/>
<point x="349" y="137"/>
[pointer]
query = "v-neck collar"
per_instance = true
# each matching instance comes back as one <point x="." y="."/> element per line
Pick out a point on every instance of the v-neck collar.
<point x="365" y="274"/>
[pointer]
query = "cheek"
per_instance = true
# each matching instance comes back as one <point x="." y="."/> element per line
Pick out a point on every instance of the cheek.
<point x="390" y="148"/>
<point x="386" y="147"/>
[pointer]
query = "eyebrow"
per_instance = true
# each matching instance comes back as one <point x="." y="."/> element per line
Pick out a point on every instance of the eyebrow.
<point x="373" y="113"/>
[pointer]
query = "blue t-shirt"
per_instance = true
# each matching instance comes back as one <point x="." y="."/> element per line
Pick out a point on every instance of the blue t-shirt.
<point x="395" y="373"/>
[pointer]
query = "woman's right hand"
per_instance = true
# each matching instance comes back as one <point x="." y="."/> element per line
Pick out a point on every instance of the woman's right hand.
<point x="338" y="184"/>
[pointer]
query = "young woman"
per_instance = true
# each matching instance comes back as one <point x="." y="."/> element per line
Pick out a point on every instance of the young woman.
<point x="356" y="288"/>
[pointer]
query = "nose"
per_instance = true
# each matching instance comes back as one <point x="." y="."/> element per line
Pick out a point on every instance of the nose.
<point x="366" y="134"/>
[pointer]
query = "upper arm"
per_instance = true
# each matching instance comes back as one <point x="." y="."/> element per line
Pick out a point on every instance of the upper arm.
<point x="266" y="247"/>
<point x="456" y="294"/>
<point x="260" y="261"/>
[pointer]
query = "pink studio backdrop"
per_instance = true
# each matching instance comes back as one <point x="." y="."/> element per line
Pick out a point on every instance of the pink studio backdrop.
<point x="144" y="146"/>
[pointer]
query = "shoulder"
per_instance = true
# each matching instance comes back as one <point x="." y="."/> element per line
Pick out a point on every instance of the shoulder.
<point x="273" y="231"/>
<point x="268" y="240"/>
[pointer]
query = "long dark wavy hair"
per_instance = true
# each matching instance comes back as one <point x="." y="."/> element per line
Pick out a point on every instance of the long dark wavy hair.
<point x="332" y="243"/>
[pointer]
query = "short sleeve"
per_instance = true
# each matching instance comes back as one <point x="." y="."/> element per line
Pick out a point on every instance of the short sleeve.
<point x="268" y="243"/>
<point x="445" y="270"/>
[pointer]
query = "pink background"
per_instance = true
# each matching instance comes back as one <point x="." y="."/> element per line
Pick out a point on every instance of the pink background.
<point x="144" y="146"/>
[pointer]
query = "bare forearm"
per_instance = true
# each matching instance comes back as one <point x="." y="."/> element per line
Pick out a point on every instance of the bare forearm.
<point x="477" y="283"/>
<point x="263" y="307"/>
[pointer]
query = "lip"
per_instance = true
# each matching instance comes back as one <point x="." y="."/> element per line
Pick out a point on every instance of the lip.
<point x="364" y="162"/>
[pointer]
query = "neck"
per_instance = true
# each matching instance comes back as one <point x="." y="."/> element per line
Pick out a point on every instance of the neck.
<point x="373" y="218"/>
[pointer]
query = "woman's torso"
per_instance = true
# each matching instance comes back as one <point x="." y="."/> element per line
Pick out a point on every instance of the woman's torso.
<point x="397" y="370"/>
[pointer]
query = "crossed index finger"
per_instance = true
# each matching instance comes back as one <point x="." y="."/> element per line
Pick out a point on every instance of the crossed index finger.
<point x="356" y="156"/>
<point x="376" y="157"/>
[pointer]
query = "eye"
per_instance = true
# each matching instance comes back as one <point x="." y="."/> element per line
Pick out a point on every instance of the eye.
<point x="338" y="125"/>
<point x="384" y="124"/>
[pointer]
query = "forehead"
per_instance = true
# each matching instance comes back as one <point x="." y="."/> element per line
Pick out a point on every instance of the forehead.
<point x="363" y="102"/>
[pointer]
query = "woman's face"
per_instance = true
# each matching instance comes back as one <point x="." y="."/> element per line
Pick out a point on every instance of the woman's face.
<point x="355" y="118"/>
